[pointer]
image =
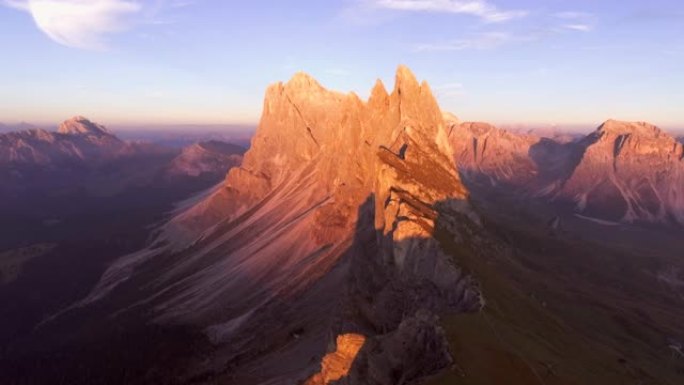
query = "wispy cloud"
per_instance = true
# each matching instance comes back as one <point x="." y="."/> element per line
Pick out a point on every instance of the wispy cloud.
<point x="480" y="8"/>
<point x="495" y="39"/>
<point x="79" y="23"/>
<point x="482" y="41"/>
<point x="578" y="27"/>
<point x="450" y="90"/>
<point x="87" y="24"/>
<point x="576" y="21"/>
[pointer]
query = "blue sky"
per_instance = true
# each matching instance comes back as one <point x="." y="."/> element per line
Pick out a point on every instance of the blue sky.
<point x="568" y="62"/>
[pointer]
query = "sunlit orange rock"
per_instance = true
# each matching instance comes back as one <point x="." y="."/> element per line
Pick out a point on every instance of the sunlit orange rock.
<point x="336" y="365"/>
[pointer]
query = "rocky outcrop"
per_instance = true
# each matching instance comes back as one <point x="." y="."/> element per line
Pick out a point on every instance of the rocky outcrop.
<point x="327" y="225"/>
<point x="336" y="365"/>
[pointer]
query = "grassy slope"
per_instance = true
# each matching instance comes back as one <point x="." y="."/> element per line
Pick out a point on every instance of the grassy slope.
<point x="562" y="312"/>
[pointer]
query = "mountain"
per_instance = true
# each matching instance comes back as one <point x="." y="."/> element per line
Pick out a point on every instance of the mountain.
<point x="84" y="154"/>
<point x="211" y="157"/>
<point x="179" y="136"/>
<point x="76" y="140"/>
<point x="349" y="247"/>
<point x="622" y="172"/>
<point x="492" y="155"/>
<point x="21" y="126"/>
<point x="324" y="232"/>
<point x="628" y="172"/>
<point x="71" y="202"/>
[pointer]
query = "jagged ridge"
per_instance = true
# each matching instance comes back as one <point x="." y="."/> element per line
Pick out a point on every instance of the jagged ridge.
<point x="331" y="189"/>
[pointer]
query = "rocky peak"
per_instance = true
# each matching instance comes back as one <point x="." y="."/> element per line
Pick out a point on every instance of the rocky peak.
<point x="303" y="122"/>
<point x="337" y="192"/>
<point x="337" y="150"/>
<point x="632" y="139"/>
<point x="613" y="127"/>
<point x="79" y="125"/>
<point x="379" y="95"/>
<point x="416" y="101"/>
<point x="633" y="165"/>
<point x="302" y="80"/>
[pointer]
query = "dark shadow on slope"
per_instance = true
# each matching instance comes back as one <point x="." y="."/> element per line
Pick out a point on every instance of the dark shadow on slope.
<point x="557" y="161"/>
<point x="89" y="231"/>
<point x="558" y="311"/>
<point x="562" y="309"/>
<point x="291" y="331"/>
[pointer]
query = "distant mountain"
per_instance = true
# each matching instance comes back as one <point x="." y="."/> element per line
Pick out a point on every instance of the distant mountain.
<point x="557" y="133"/>
<point x="73" y="200"/>
<point x="492" y="155"/>
<point x="212" y="157"/>
<point x="46" y="176"/>
<point x="628" y="172"/>
<point x="180" y="136"/>
<point x="76" y="140"/>
<point x="21" y="126"/>
<point x="623" y="172"/>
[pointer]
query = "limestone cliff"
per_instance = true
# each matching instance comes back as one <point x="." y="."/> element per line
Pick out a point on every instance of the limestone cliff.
<point x="325" y="230"/>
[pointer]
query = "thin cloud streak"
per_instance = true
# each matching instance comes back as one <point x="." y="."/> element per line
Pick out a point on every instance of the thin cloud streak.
<point x="571" y="21"/>
<point x="577" y="21"/>
<point x="479" y="8"/>
<point x="578" y="27"/>
<point x="483" y="41"/>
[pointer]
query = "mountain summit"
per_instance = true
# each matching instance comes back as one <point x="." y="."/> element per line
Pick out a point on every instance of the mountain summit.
<point x="329" y="225"/>
<point x="77" y="140"/>
<point x="79" y="125"/>
<point x="629" y="172"/>
<point x="622" y="172"/>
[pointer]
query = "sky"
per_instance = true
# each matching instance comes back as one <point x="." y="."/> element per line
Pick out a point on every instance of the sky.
<point x="529" y="62"/>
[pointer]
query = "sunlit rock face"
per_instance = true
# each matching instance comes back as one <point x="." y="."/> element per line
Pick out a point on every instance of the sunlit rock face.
<point x="336" y="365"/>
<point x="309" y="132"/>
<point x="629" y="172"/>
<point x="492" y="155"/>
<point x="622" y="172"/>
<point x="79" y="125"/>
<point x="325" y="230"/>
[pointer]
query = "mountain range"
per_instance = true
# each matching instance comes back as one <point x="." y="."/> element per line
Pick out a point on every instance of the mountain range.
<point x="77" y="139"/>
<point x="622" y="172"/>
<point x="377" y="241"/>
